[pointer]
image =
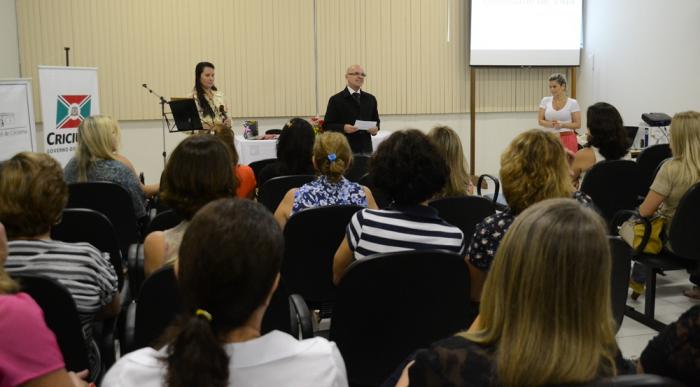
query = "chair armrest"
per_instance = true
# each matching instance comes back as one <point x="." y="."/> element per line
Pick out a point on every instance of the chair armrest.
<point x="135" y="261"/>
<point x="300" y="317"/>
<point x="128" y="329"/>
<point x="496" y="186"/>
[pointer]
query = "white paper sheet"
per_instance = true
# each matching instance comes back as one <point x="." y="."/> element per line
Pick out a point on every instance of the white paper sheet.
<point x="365" y="125"/>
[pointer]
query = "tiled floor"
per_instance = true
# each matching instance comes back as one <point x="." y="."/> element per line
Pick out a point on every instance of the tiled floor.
<point x="670" y="304"/>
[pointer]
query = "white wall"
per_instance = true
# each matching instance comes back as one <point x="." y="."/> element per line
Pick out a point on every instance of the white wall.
<point x="641" y="56"/>
<point x="9" y="48"/>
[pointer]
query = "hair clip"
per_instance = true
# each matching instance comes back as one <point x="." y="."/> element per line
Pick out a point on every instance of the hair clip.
<point x="203" y="313"/>
<point x="331" y="157"/>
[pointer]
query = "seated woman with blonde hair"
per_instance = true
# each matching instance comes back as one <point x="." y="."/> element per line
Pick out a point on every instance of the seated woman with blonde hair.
<point x="97" y="159"/>
<point x="535" y="328"/>
<point x="534" y="167"/>
<point x="198" y="172"/>
<point x="449" y="145"/>
<point x="331" y="158"/>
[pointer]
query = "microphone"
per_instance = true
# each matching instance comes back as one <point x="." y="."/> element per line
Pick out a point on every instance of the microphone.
<point x="145" y="86"/>
<point x="223" y="112"/>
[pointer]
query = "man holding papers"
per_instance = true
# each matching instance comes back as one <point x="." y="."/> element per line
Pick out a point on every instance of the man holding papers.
<point x="354" y="112"/>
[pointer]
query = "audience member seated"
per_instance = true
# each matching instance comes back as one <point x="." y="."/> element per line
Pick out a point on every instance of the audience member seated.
<point x="675" y="352"/>
<point x="96" y="160"/>
<point x="30" y="353"/>
<point x="450" y="146"/>
<point x="294" y="152"/>
<point x="229" y="268"/>
<point x="331" y="158"/>
<point x="245" y="177"/>
<point x="607" y="140"/>
<point x="534" y="167"/>
<point x="198" y="172"/>
<point x="671" y="183"/>
<point x="32" y="196"/>
<point x="409" y="168"/>
<point x="534" y="327"/>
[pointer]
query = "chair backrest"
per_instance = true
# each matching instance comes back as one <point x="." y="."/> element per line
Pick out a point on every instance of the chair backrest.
<point x="613" y="185"/>
<point x="648" y="161"/>
<point x="273" y="191"/>
<point x="257" y="166"/>
<point x="86" y="225"/>
<point x="61" y="317"/>
<point x="382" y="199"/>
<point x="389" y="305"/>
<point x="160" y="302"/>
<point x="620" y="276"/>
<point x="163" y="220"/>
<point x="311" y="239"/>
<point x="465" y="212"/>
<point x="641" y="380"/>
<point x="685" y="226"/>
<point x="358" y="167"/>
<point x="114" y="202"/>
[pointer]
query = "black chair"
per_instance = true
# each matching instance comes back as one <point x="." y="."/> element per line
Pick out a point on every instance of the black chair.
<point x="382" y="199"/>
<point x="620" y="275"/>
<point x="311" y="239"/>
<point x="685" y="242"/>
<point x="464" y="212"/>
<point x="358" y="167"/>
<point x="162" y="221"/>
<point x="86" y="225"/>
<point x="258" y="166"/>
<point x="114" y="202"/>
<point x="613" y="186"/>
<point x="389" y="305"/>
<point x="641" y="380"/>
<point x="648" y="162"/>
<point x="160" y="302"/>
<point x="273" y="191"/>
<point x="61" y="317"/>
<point x="496" y="190"/>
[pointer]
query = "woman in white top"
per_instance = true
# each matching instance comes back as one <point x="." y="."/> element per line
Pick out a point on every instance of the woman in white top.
<point x="208" y="98"/>
<point x="230" y="258"/>
<point x="607" y="140"/>
<point x="560" y="112"/>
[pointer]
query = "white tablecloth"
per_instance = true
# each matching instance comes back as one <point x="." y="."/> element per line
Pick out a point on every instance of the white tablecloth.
<point x="254" y="150"/>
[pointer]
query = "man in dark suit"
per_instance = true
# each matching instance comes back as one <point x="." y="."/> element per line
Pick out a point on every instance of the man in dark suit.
<point x="350" y="105"/>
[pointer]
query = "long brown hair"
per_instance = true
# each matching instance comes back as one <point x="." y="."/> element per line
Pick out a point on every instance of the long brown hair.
<point x="546" y="301"/>
<point x="450" y="146"/>
<point x="230" y="257"/>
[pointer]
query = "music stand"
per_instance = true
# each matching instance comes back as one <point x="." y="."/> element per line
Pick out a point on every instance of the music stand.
<point x="185" y="115"/>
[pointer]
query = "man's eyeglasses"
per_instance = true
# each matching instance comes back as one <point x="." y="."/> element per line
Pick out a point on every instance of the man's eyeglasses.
<point x="356" y="74"/>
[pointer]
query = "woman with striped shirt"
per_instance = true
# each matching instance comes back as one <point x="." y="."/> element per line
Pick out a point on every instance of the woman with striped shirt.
<point x="409" y="169"/>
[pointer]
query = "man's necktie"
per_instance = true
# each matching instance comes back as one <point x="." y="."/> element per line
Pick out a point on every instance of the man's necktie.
<point x="356" y="96"/>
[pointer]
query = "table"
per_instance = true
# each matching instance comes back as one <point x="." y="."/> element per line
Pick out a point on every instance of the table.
<point x="254" y="150"/>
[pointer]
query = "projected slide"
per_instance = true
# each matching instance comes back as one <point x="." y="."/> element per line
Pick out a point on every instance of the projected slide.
<point x="525" y="32"/>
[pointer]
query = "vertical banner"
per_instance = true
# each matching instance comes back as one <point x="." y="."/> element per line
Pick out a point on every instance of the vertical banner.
<point x="17" y="128"/>
<point x="68" y="96"/>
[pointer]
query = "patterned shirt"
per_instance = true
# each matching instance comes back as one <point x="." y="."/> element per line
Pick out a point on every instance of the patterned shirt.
<point x="81" y="268"/>
<point x="403" y="229"/>
<point x="488" y="234"/>
<point x="113" y="171"/>
<point x="322" y="192"/>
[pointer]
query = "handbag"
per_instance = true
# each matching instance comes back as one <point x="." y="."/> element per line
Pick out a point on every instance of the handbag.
<point x="632" y="231"/>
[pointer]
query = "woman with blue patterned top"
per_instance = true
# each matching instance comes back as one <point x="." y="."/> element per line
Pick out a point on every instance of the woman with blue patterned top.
<point x="331" y="158"/>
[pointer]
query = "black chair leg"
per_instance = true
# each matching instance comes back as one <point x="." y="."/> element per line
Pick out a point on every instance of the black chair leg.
<point x="647" y="318"/>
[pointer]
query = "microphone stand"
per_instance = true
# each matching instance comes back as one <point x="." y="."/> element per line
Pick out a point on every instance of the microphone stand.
<point x="164" y="117"/>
